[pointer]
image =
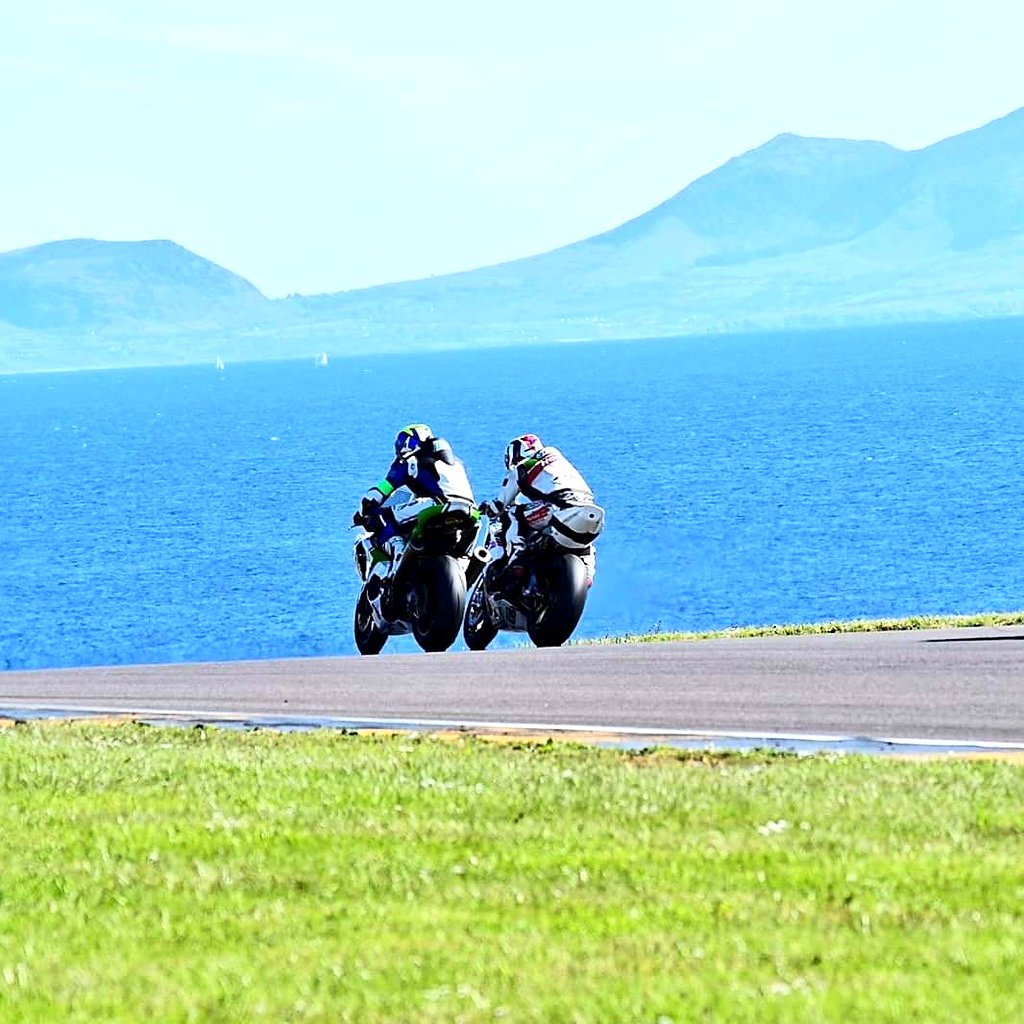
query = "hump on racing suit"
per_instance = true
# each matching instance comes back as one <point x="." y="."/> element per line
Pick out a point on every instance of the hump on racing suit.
<point x="432" y="470"/>
<point x="543" y="492"/>
<point x="546" y="475"/>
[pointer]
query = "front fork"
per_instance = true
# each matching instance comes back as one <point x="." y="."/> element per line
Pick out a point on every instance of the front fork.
<point x="380" y="581"/>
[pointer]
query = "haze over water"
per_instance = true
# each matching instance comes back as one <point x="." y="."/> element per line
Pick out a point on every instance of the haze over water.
<point x="195" y="514"/>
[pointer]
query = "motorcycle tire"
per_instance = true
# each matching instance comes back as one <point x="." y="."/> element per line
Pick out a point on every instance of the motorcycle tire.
<point x="478" y="630"/>
<point x="566" y="583"/>
<point x="369" y="639"/>
<point x="440" y="601"/>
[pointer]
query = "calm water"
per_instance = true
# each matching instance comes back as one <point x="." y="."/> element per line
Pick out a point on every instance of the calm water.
<point x="187" y="514"/>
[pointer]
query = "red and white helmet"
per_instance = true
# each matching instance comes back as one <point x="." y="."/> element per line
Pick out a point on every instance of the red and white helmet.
<point x="526" y="446"/>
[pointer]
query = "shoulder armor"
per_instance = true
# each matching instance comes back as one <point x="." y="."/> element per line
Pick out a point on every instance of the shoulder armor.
<point x="441" y="450"/>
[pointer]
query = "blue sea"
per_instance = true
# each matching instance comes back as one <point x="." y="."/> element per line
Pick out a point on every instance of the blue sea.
<point x="181" y="514"/>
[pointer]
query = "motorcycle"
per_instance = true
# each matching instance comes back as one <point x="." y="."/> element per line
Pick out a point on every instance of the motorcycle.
<point x="556" y="570"/>
<point x="416" y="582"/>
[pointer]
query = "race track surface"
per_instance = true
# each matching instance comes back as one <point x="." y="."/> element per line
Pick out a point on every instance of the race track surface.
<point x="957" y="684"/>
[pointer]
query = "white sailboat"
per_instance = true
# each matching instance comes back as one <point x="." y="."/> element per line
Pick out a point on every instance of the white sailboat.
<point x="220" y="363"/>
<point x="321" y="359"/>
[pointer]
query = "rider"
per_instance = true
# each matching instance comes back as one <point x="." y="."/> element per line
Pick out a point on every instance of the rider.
<point x="426" y="466"/>
<point x="537" y="478"/>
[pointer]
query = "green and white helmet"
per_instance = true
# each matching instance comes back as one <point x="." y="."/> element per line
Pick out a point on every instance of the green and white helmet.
<point x="411" y="438"/>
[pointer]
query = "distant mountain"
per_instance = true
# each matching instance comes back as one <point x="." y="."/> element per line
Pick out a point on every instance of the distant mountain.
<point x="87" y="284"/>
<point x="800" y="232"/>
<point x="84" y="303"/>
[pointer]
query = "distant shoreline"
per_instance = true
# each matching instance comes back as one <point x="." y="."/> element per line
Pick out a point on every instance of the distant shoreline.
<point x="397" y="343"/>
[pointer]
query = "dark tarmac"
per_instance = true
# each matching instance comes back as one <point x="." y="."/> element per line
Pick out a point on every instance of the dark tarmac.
<point x="864" y="689"/>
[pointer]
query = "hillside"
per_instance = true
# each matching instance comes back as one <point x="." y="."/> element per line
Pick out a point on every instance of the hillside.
<point x="83" y="302"/>
<point x="83" y="283"/>
<point x="800" y="232"/>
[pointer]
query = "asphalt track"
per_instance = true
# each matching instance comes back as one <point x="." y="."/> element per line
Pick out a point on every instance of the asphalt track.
<point x="929" y="688"/>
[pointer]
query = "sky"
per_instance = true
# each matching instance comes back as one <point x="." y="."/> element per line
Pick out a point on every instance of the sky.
<point x="323" y="145"/>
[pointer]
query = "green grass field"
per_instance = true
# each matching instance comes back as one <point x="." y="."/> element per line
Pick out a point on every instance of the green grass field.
<point x="162" y="874"/>
<point x="808" y="628"/>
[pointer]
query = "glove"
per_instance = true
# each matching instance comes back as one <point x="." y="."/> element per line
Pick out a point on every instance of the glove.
<point x="490" y="508"/>
<point x="367" y="506"/>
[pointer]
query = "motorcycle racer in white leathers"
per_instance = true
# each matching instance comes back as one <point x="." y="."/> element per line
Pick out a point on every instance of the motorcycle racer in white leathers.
<point x="539" y="493"/>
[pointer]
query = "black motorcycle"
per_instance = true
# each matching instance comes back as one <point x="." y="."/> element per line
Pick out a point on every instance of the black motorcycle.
<point x="417" y="582"/>
<point x="546" y="595"/>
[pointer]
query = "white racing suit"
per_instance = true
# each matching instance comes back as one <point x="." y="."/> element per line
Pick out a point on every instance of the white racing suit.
<point x="547" y="493"/>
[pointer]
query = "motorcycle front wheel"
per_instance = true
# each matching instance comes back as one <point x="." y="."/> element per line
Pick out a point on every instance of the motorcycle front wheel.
<point x="439" y="592"/>
<point x="478" y="630"/>
<point x="565" y="580"/>
<point x="369" y="639"/>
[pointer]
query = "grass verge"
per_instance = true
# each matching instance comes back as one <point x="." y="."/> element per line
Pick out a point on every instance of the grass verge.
<point x="798" y="629"/>
<point x="212" y="875"/>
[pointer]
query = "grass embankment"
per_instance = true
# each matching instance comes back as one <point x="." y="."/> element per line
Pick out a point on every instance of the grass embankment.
<point x="212" y="875"/>
<point x="851" y="626"/>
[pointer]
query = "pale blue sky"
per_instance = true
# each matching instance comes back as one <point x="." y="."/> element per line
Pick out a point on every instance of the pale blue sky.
<point x="318" y="145"/>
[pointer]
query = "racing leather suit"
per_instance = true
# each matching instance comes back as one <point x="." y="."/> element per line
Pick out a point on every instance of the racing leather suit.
<point x="547" y="478"/>
<point x="432" y="473"/>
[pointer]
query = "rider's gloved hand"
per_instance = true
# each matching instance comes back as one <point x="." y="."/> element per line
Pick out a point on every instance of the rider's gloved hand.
<point x="367" y="506"/>
<point x="490" y="508"/>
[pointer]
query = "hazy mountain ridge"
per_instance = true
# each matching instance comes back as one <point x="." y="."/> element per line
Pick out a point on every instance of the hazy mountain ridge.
<point x="84" y="283"/>
<point x="799" y="232"/>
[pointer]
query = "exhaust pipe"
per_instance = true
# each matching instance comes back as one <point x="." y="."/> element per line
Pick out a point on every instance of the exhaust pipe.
<point x="477" y="560"/>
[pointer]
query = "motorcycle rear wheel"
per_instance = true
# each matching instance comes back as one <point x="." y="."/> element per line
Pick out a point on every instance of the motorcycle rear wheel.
<point x="369" y="639"/>
<point x="478" y="630"/>
<point x="440" y="601"/>
<point x="566" y="583"/>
